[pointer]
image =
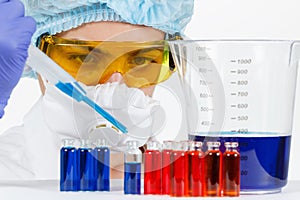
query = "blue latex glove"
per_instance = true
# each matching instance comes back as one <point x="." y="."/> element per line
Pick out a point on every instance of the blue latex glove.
<point x="15" y="36"/>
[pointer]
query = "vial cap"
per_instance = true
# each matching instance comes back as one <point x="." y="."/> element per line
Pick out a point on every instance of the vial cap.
<point x="176" y="146"/>
<point x="231" y="144"/>
<point x="84" y="143"/>
<point x="101" y="142"/>
<point x="168" y="144"/>
<point x="196" y="144"/>
<point x="68" y="142"/>
<point x="185" y="145"/>
<point x="153" y="145"/>
<point x="213" y="144"/>
<point x="132" y="144"/>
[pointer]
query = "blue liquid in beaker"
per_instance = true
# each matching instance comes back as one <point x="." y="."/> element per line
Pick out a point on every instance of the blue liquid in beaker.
<point x="132" y="178"/>
<point x="69" y="171"/>
<point x="264" y="161"/>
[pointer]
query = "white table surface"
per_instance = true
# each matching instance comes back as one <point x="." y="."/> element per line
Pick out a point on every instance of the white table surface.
<point x="19" y="190"/>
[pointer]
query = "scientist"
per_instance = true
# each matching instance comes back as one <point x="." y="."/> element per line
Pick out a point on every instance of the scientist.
<point x="119" y="79"/>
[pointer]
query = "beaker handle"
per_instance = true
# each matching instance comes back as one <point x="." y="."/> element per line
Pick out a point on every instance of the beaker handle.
<point x="295" y="54"/>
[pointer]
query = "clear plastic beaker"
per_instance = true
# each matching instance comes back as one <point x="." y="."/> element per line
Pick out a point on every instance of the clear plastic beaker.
<point x="242" y="91"/>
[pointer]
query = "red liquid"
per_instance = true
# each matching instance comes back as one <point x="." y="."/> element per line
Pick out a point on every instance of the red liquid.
<point x="186" y="174"/>
<point x="166" y="171"/>
<point x="212" y="169"/>
<point x="196" y="173"/>
<point x="231" y="173"/>
<point x="152" y="172"/>
<point x="179" y="174"/>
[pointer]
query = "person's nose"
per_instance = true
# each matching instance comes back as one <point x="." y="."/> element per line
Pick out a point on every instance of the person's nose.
<point x="116" y="77"/>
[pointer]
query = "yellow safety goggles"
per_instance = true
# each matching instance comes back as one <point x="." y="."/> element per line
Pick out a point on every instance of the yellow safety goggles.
<point x="141" y="63"/>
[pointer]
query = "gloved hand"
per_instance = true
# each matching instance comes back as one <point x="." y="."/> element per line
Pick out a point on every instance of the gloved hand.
<point x="15" y="36"/>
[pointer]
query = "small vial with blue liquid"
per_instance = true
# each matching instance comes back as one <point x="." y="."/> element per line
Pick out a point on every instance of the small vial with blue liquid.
<point x="86" y="166"/>
<point x="69" y="171"/>
<point x="132" y="168"/>
<point x="102" y="163"/>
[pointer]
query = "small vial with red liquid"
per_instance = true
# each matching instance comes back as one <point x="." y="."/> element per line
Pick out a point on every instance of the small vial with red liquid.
<point x="186" y="147"/>
<point x="212" y="169"/>
<point x="196" y="169"/>
<point x="166" y="167"/>
<point x="179" y="171"/>
<point x="152" y="168"/>
<point x="231" y="170"/>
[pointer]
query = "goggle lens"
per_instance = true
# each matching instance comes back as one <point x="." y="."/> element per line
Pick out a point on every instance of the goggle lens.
<point x="141" y="63"/>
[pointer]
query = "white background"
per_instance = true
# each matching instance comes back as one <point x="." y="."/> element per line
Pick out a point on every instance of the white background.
<point x="213" y="19"/>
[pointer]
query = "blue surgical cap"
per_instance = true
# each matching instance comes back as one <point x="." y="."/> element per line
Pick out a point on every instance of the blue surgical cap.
<point x="54" y="16"/>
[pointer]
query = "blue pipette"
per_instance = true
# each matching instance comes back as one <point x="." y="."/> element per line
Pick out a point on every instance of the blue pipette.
<point x="45" y="66"/>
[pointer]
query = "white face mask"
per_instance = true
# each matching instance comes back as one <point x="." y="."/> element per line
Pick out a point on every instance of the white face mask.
<point x="142" y="115"/>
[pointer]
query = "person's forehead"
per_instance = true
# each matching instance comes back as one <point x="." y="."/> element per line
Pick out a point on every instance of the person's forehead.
<point x="113" y="31"/>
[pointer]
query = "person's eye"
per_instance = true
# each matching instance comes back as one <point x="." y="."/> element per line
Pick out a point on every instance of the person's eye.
<point x="139" y="60"/>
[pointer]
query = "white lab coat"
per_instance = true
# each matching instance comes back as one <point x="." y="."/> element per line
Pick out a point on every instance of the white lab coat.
<point x="30" y="151"/>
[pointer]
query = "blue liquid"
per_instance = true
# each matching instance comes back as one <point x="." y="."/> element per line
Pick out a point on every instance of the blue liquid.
<point x="87" y="170"/>
<point x="102" y="161"/>
<point x="132" y="178"/>
<point x="69" y="172"/>
<point x="264" y="161"/>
